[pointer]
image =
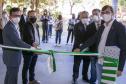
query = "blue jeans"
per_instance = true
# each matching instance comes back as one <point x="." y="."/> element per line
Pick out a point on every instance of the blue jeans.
<point x="45" y="33"/>
<point x="93" y="70"/>
<point x="50" y="30"/>
<point x="58" y="36"/>
<point x="70" y="32"/>
<point x="99" y="72"/>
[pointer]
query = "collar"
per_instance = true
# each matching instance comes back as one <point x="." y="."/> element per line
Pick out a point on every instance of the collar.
<point x="109" y="24"/>
<point x="16" y="26"/>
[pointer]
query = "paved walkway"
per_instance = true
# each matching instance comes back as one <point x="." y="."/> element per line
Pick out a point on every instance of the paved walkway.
<point x="63" y="75"/>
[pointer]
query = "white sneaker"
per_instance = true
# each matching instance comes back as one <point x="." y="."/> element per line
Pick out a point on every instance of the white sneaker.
<point x="58" y="45"/>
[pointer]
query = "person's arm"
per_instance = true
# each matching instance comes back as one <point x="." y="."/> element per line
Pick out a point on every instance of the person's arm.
<point x="29" y="34"/>
<point x="77" y="38"/>
<point x="122" y="44"/>
<point x="12" y="35"/>
<point x="92" y="40"/>
<point x="89" y="42"/>
<point x="42" y="18"/>
<point x="68" y="24"/>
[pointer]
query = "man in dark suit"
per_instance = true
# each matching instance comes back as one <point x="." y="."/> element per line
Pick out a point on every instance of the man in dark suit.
<point x="11" y="37"/>
<point x="30" y="36"/>
<point x="91" y="30"/>
<point x="112" y="33"/>
<point x="22" y="22"/>
<point x="80" y="37"/>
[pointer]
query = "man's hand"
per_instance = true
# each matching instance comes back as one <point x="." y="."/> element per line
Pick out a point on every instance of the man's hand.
<point x="35" y="45"/>
<point x="77" y="50"/>
<point x="119" y="73"/>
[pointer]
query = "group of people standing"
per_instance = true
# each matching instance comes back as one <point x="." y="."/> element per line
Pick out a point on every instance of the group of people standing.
<point x="20" y="31"/>
<point x="23" y="31"/>
<point x="83" y="30"/>
<point x="104" y="30"/>
<point x="47" y="24"/>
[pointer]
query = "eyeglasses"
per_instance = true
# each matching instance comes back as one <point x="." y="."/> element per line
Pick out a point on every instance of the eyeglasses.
<point x="16" y="15"/>
<point x="32" y="17"/>
<point x="105" y="12"/>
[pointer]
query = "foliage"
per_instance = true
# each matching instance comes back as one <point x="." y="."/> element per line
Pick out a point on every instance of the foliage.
<point x="122" y="2"/>
<point x="8" y="7"/>
<point x="56" y="13"/>
<point x="105" y="2"/>
<point x="72" y="3"/>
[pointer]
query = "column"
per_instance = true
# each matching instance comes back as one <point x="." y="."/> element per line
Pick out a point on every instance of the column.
<point x="115" y="6"/>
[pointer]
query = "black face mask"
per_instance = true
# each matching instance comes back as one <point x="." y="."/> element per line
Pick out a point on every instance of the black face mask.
<point x="32" y="19"/>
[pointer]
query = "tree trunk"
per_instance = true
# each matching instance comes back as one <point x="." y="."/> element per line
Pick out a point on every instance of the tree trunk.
<point x="71" y="9"/>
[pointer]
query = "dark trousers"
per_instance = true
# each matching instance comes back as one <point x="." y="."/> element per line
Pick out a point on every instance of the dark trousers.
<point x="1" y="37"/>
<point x="93" y="70"/>
<point x="29" y="64"/>
<point x="50" y="30"/>
<point x="45" y="33"/>
<point x="58" y="36"/>
<point x="11" y="75"/>
<point x="70" y="33"/>
<point x="77" y="61"/>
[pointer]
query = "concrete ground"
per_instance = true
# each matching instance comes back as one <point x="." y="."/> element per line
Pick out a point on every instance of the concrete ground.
<point x="63" y="75"/>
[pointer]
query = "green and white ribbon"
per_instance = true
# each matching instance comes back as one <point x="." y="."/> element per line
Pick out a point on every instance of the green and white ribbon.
<point x="51" y="62"/>
<point x="110" y="64"/>
<point x="110" y="67"/>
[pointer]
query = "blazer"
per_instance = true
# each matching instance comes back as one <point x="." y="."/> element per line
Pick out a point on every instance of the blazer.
<point x="91" y="30"/>
<point x="11" y="38"/>
<point x="80" y="35"/>
<point x="29" y="35"/>
<point x="116" y="37"/>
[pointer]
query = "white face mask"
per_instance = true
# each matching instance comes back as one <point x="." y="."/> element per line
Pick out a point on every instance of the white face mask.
<point x="85" y="21"/>
<point x="16" y="20"/>
<point x="5" y="16"/>
<point x="107" y="17"/>
<point x="96" y="18"/>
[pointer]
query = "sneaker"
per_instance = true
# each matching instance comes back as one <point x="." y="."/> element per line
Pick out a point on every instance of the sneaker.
<point x="86" y="80"/>
<point x="74" y="81"/>
<point x="34" y="82"/>
<point x="59" y="45"/>
<point x="56" y="44"/>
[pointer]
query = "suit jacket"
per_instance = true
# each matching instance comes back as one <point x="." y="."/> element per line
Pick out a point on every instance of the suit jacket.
<point x="1" y="38"/>
<point x="29" y="35"/>
<point x="91" y="30"/>
<point x="80" y="35"/>
<point x="116" y="37"/>
<point x="22" y="25"/>
<point x="11" y="38"/>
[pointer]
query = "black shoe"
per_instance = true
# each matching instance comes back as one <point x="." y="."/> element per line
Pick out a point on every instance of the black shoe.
<point x="46" y="41"/>
<point x="86" y="80"/>
<point x="74" y="81"/>
<point x="92" y="83"/>
<point x="43" y="41"/>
